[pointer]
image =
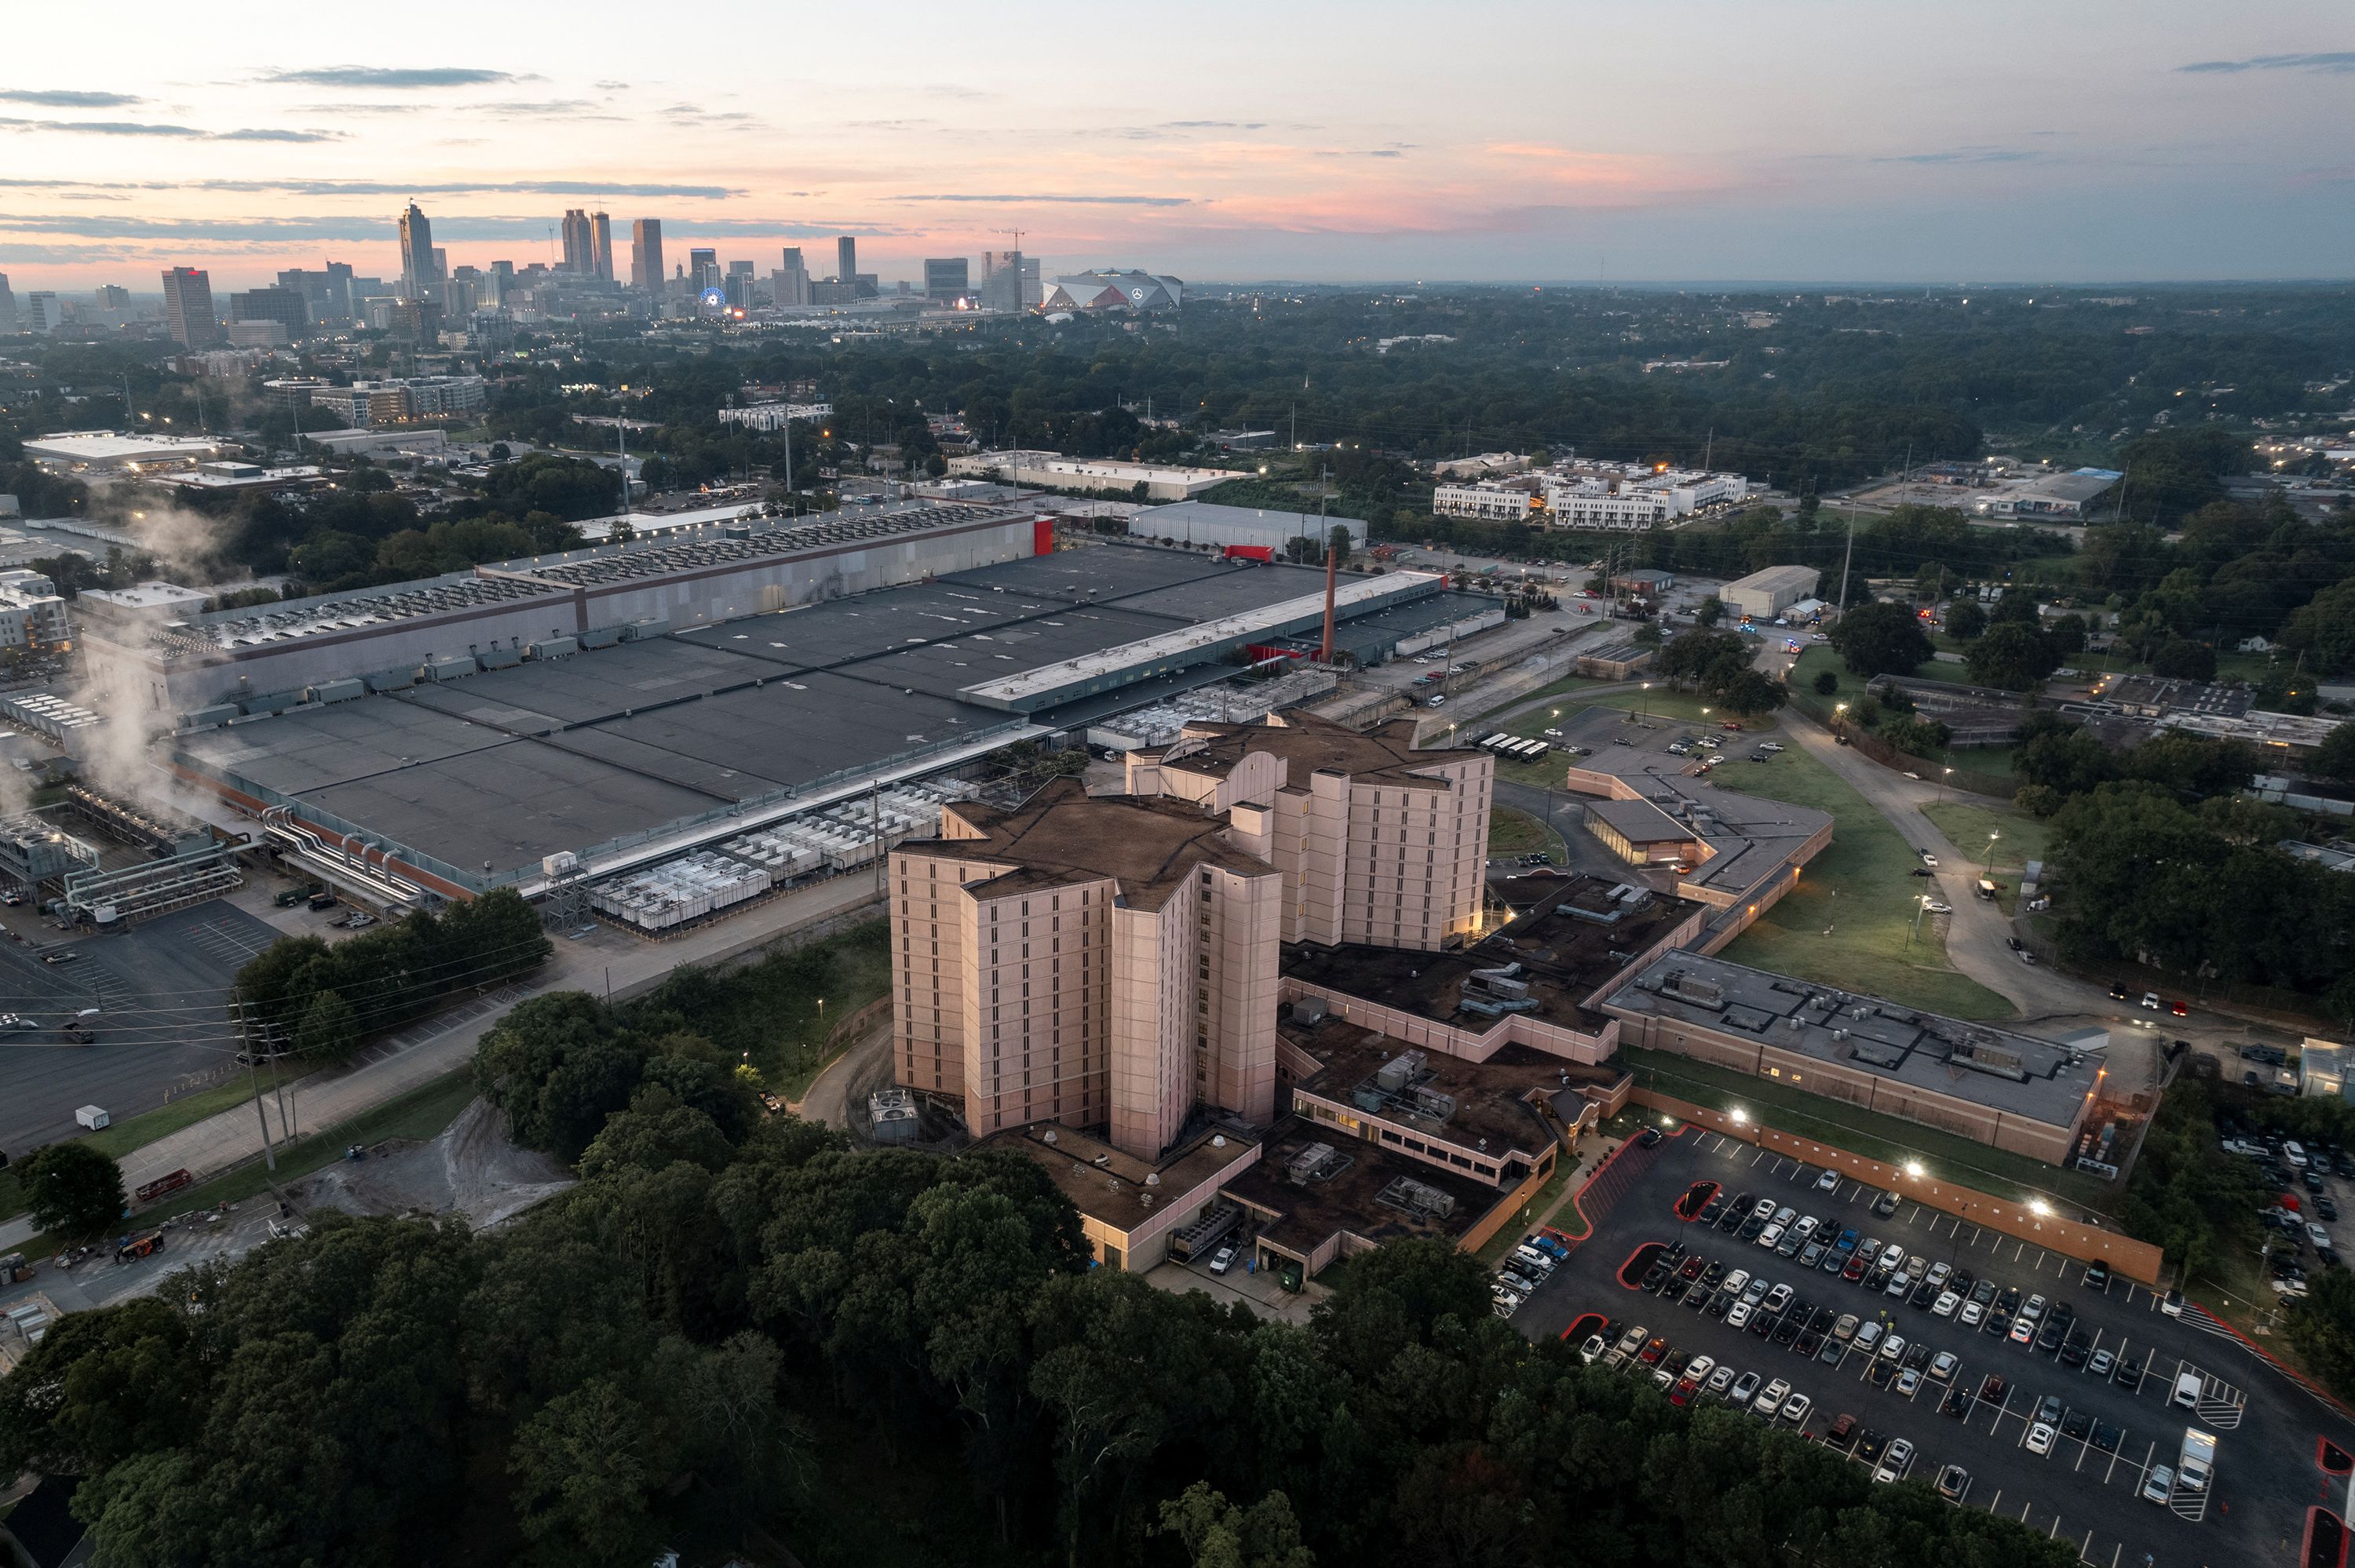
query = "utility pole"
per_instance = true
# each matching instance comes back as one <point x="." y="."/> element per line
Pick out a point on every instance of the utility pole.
<point x="1848" y="556"/>
<point x="622" y="445"/>
<point x="245" y="1035"/>
<point x="1332" y="569"/>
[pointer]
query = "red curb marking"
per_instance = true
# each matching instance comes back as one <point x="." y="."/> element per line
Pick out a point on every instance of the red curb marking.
<point x="1634" y="1257"/>
<point x="2261" y="1353"/>
<point x="1583" y="1320"/>
<point x="2318" y="1519"/>
<point x="1698" y="1195"/>
<point x="2331" y="1458"/>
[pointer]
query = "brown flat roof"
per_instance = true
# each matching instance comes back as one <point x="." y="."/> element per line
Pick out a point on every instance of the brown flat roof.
<point x="1113" y="1188"/>
<point x="1566" y="944"/>
<point x="1491" y="1098"/>
<point x="1348" y="1200"/>
<point x="1310" y="744"/>
<point x="1062" y="835"/>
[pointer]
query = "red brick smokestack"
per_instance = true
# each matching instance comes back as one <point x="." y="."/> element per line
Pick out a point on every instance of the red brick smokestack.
<point x="1332" y="572"/>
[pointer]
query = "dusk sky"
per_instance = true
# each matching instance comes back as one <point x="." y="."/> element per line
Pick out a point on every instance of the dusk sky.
<point x="1674" y="140"/>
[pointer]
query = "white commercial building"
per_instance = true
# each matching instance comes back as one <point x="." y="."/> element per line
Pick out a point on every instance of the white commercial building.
<point x="1052" y="471"/>
<point x="1202" y="522"/>
<point x="31" y="613"/>
<point x="1489" y="500"/>
<point x="81" y="450"/>
<point x="772" y="417"/>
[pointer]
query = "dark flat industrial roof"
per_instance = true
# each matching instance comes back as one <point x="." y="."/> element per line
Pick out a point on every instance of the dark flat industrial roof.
<point x="510" y="765"/>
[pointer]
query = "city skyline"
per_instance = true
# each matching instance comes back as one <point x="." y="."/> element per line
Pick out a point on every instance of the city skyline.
<point x="2154" y="143"/>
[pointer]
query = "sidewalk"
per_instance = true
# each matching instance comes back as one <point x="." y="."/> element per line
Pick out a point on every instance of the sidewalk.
<point x="606" y="962"/>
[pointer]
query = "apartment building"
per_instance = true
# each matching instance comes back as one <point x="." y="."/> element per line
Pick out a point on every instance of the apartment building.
<point x="1097" y="962"/>
<point x="1490" y="501"/>
<point x="1378" y="842"/>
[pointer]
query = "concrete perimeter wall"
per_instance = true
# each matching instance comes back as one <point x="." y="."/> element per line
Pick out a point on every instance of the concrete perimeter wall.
<point x="2136" y="1260"/>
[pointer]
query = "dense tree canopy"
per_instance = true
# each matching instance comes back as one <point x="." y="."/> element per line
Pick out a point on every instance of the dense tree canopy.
<point x="738" y="1329"/>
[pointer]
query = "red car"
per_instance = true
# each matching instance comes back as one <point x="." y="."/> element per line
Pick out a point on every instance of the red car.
<point x="1729" y="724"/>
<point x="1652" y="1352"/>
<point x="2179" y="1009"/>
<point x="1684" y="1390"/>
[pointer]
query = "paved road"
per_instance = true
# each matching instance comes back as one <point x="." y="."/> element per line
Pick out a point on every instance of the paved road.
<point x="829" y="1093"/>
<point x="597" y="960"/>
<point x="2081" y="1491"/>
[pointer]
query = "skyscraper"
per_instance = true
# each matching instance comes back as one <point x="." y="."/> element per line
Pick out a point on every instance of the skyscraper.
<point x="7" y="305"/>
<point x="845" y="259"/>
<point x="43" y="312"/>
<point x="792" y="278"/>
<point x="703" y="268"/>
<point x="601" y="246"/>
<point x="189" y="307"/>
<point x="945" y="278"/>
<point x="646" y="256"/>
<point x="113" y="297"/>
<point x="416" y="252"/>
<point x="1001" y="295"/>
<point x="579" y="243"/>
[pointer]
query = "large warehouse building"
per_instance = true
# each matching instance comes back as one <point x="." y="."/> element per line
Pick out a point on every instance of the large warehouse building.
<point x="265" y="657"/>
<point x="619" y="750"/>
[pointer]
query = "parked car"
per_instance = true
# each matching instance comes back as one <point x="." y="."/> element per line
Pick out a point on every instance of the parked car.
<point x="1223" y="1259"/>
<point x="2159" y="1487"/>
<point x="1895" y="1461"/>
<point x="2039" y="1439"/>
<point x="1953" y="1483"/>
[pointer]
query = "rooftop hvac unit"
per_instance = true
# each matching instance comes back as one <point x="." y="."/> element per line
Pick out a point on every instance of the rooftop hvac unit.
<point x="1399" y="1071"/>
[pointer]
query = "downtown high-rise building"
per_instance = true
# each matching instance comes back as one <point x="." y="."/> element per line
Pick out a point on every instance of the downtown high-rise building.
<point x="702" y="269"/>
<point x="189" y="307"/>
<point x="1009" y="281"/>
<point x="946" y="279"/>
<point x="7" y="305"/>
<point x="418" y="271"/>
<point x="792" y="283"/>
<point x="579" y="243"/>
<point x="113" y="297"/>
<point x="600" y="247"/>
<point x="647" y="256"/>
<point x="845" y="259"/>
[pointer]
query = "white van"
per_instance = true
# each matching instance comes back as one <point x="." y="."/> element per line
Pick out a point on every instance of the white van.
<point x="2187" y="1389"/>
<point x="2293" y="1156"/>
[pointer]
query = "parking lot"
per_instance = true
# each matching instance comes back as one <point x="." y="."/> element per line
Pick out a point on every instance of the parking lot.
<point x="2105" y="1437"/>
<point x="162" y="1024"/>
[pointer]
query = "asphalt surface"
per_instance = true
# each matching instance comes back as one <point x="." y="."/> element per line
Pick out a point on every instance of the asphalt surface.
<point x="163" y="1027"/>
<point x="2266" y="1426"/>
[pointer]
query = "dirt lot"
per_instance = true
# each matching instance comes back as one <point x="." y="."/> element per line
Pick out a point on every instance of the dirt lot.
<point x="470" y="1170"/>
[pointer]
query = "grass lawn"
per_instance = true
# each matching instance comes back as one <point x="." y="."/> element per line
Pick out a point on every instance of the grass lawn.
<point x="2019" y="838"/>
<point x="1849" y="923"/>
<point x="421" y="1114"/>
<point x="1887" y="1138"/>
<point x="1518" y="832"/>
<point x="1493" y="1250"/>
<point x="133" y="1132"/>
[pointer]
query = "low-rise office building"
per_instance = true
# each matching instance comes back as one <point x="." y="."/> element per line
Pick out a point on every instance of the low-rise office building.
<point x="1989" y="1085"/>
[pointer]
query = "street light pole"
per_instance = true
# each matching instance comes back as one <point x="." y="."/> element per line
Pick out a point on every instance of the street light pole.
<point x="1990" y="865"/>
<point x="1942" y="778"/>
